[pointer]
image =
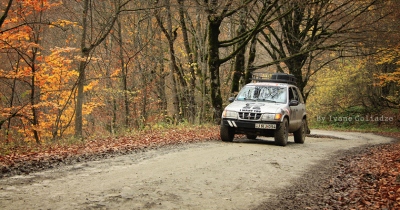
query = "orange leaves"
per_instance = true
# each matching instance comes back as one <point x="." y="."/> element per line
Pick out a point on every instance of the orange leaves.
<point x="390" y="56"/>
<point x="63" y="23"/>
<point x="389" y="59"/>
<point x="378" y="184"/>
<point x="55" y="80"/>
<point x="54" y="77"/>
<point x="18" y="38"/>
<point x="42" y="82"/>
<point x="385" y="78"/>
<point x="19" y="74"/>
<point x="91" y="85"/>
<point x="38" y="5"/>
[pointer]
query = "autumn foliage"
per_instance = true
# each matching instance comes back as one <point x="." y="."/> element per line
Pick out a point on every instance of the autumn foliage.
<point x="87" y="68"/>
<point x="391" y="76"/>
<point x="138" y="77"/>
<point x="37" y="85"/>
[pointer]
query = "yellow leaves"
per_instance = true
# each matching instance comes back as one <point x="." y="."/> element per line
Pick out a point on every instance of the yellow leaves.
<point x="91" y="85"/>
<point x="16" y="38"/>
<point x="386" y="78"/>
<point x="388" y="58"/>
<point x="89" y="107"/>
<point x="63" y="23"/>
<point x="388" y="55"/>
<point x="371" y="8"/>
<point x="55" y="79"/>
<point x="338" y="86"/>
<point x="391" y="58"/>
<point x="50" y="74"/>
<point x="20" y="74"/>
<point x="38" y="5"/>
<point x="17" y="27"/>
<point x="116" y="73"/>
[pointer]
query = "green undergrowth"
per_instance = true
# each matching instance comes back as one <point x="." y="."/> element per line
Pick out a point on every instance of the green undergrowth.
<point x="359" y="119"/>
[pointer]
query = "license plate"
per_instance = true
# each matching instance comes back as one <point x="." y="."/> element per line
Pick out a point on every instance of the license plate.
<point x="266" y="126"/>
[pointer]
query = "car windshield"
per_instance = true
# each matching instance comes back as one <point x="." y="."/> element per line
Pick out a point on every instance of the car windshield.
<point x="273" y="94"/>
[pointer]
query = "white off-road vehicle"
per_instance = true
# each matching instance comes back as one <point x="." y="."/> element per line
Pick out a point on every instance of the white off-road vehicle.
<point x="271" y="105"/>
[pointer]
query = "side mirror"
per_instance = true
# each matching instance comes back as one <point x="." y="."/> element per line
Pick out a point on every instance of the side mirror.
<point x="231" y="99"/>
<point x="293" y="103"/>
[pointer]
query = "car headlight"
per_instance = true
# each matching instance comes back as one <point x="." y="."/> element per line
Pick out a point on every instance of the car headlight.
<point x="229" y="114"/>
<point x="278" y="116"/>
<point x="271" y="117"/>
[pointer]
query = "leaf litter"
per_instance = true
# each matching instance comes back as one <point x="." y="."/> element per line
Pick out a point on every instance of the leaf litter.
<point x="365" y="178"/>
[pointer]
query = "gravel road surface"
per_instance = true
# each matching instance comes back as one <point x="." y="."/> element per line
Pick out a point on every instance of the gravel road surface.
<point x="210" y="175"/>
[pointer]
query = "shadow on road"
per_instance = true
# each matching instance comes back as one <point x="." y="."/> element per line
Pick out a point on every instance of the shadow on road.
<point x="264" y="141"/>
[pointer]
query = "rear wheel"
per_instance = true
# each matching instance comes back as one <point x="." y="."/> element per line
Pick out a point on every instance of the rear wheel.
<point x="251" y="136"/>
<point x="226" y="133"/>
<point x="300" y="134"/>
<point x="281" y="134"/>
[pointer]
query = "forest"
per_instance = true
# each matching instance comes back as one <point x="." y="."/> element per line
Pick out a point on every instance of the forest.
<point x="84" y="68"/>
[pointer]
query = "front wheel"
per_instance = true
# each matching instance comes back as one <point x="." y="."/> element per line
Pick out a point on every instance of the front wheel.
<point x="226" y="133"/>
<point x="300" y="134"/>
<point x="281" y="134"/>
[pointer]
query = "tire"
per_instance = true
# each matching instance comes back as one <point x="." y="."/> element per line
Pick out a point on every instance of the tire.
<point x="251" y="136"/>
<point x="282" y="133"/>
<point x="300" y="134"/>
<point x="226" y="133"/>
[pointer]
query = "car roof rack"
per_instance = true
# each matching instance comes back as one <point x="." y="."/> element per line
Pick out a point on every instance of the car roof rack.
<point x="273" y="77"/>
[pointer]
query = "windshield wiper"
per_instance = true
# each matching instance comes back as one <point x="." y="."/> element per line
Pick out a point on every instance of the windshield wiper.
<point x="247" y="99"/>
<point x="268" y="100"/>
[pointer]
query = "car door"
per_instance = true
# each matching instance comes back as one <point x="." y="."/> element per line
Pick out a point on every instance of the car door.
<point x="301" y="108"/>
<point x="295" y="111"/>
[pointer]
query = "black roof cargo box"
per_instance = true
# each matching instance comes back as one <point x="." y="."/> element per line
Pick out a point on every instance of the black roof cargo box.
<point x="273" y="77"/>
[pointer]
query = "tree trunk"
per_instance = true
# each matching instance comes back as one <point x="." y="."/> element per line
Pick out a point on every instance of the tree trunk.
<point x="35" y="120"/>
<point x="250" y="62"/>
<point x="81" y="77"/>
<point x="85" y="53"/>
<point x="191" y="112"/>
<point x="295" y="66"/>
<point x="239" y="66"/>
<point x="5" y="12"/>
<point x="200" y="54"/>
<point x="124" y="75"/>
<point x="214" y="64"/>
<point x="179" y="102"/>
<point x="79" y="100"/>
<point x="13" y="89"/>
<point x="35" y="93"/>
<point x="162" y="96"/>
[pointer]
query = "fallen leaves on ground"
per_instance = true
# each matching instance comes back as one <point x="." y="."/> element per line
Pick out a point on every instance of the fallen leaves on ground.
<point x="42" y="156"/>
<point x="378" y="177"/>
<point x="370" y="180"/>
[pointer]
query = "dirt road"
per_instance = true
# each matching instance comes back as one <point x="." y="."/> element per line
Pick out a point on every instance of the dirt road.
<point x="210" y="175"/>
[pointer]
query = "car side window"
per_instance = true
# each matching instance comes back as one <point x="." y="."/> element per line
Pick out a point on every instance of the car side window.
<point x="293" y="94"/>
<point x="300" y="97"/>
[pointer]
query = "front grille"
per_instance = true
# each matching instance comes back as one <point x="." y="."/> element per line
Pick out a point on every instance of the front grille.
<point x="249" y="116"/>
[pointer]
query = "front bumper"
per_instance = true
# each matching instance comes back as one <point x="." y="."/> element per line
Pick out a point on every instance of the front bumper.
<point x="249" y="127"/>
